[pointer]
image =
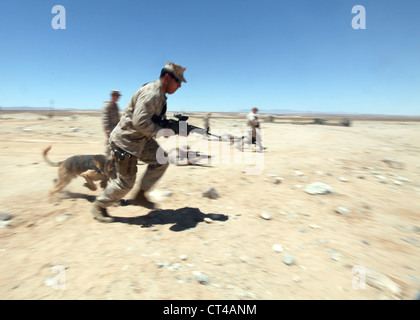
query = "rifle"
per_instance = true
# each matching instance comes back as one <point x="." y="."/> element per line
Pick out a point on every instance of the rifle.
<point x="175" y="124"/>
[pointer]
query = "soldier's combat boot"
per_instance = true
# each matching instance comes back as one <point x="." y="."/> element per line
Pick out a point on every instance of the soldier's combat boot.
<point x="100" y="213"/>
<point x="141" y="200"/>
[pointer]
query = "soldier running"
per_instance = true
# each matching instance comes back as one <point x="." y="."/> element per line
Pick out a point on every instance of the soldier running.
<point x="133" y="139"/>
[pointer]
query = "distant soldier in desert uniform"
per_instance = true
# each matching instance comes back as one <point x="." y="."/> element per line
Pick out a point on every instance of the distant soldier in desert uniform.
<point x="133" y="139"/>
<point x="253" y="133"/>
<point x="110" y="117"/>
<point x="206" y="120"/>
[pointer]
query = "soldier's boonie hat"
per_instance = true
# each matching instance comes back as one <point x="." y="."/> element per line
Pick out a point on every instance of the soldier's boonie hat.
<point x="115" y="93"/>
<point x="176" y="70"/>
<point x="255" y="109"/>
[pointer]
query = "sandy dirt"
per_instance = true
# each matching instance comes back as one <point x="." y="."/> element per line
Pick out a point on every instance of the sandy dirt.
<point x="233" y="247"/>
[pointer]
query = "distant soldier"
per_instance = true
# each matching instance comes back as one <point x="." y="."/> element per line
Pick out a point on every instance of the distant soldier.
<point x="110" y="117"/>
<point x="206" y="119"/>
<point x="253" y="134"/>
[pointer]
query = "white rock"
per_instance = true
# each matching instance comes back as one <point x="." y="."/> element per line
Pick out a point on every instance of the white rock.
<point x="4" y="224"/>
<point x="319" y="188"/>
<point x="265" y="216"/>
<point x="277" y="248"/>
<point x="289" y="259"/>
<point x="334" y="255"/>
<point x="314" y="226"/>
<point x="208" y="220"/>
<point x="402" y="179"/>
<point x="210" y="193"/>
<point x="159" y="195"/>
<point x="203" y="279"/>
<point x="342" y="210"/>
<point x="398" y="183"/>
<point x="63" y="217"/>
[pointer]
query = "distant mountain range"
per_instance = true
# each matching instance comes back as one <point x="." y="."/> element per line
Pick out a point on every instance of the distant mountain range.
<point x="22" y="108"/>
<point x="271" y="111"/>
<point x="261" y="111"/>
<point x="39" y="109"/>
<point x="278" y="111"/>
<point x="288" y="111"/>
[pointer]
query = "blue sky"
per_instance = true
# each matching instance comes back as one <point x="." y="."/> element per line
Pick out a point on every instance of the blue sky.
<point x="299" y="55"/>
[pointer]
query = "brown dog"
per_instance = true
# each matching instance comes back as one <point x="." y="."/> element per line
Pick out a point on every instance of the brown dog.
<point x="91" y="167"/>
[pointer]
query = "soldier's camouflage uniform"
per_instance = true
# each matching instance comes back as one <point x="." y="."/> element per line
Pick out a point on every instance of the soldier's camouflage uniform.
<point x="110" y="118"/>
<point x="135" y="134"/>
<point x="253" y="133"/>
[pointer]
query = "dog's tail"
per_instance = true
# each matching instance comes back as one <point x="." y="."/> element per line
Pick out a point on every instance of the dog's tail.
<point x="53" y="164"/>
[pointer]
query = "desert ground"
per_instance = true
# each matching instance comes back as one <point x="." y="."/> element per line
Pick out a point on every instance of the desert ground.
<point x="262" y="237"/>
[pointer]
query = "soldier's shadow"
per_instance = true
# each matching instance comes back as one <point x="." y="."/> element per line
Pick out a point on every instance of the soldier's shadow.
<point x="182" y="219"/>
<point x="78" y="195"/>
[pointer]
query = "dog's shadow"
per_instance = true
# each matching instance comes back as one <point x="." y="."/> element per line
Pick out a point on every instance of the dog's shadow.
<point x="182" y="219"/>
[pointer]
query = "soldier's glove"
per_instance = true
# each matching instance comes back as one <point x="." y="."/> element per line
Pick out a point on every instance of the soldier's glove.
<point x="174" y="125"/>
<point x="167" y="123"/>
<point x="162" y="122"/>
